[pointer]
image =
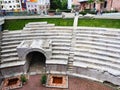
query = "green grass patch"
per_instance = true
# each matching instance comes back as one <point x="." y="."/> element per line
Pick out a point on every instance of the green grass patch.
<point x="105" y="23"/>
<point x="20" y="23"/>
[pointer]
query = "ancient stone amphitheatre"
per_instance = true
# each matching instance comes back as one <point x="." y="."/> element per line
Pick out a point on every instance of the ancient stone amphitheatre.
<point x="92" y="53"/>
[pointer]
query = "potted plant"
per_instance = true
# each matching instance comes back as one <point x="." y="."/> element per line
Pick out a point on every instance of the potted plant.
<point x="23" y="79"/>
<point x="43" y="79"/>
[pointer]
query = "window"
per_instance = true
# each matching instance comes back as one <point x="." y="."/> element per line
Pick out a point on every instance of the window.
<point x="18" y="6"/>
<point x="9" y="1"/>
<point x="10" y="6"/>
<point x="5" y="1"/>
<point x="105" y="4"/>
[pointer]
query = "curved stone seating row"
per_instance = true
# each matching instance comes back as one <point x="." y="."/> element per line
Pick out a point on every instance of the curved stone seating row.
<point x="12" y="39"/>
<point x="97" y="51"/>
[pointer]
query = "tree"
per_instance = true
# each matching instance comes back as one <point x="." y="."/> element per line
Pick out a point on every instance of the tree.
<point x="90" y="2"/>
<point x="58" y="4"/>
<point x="63" y="4"/>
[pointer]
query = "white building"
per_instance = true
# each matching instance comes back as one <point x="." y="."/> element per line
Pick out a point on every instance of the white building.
<point x="38" y="6"/>
<point x="11" y="5"/>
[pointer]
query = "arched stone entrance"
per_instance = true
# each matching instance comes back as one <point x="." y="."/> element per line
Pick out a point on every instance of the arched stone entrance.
<point x="36" y="61"/>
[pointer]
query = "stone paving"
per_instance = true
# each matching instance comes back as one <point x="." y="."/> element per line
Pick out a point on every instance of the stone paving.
<point x="74" y="84"/>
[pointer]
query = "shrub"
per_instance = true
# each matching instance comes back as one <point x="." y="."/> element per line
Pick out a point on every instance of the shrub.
<point x="43" y="79"/>
<point x="83" y="13"/>
<point x="23" y="78"/>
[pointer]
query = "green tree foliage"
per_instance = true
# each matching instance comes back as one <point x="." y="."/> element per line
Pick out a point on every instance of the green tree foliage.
<point x="61" y="4"/>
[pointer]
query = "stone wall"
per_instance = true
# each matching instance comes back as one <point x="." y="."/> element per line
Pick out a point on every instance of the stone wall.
<point x="1" y="78"/>
<point x="12" y="71"/>
<point x="58" y="68"/>
<point x="95" y="75"/>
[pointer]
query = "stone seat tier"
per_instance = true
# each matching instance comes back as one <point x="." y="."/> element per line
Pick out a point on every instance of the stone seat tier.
<point x="61" y="48"/>
<point x="98" y="43"/>
<point x="23" y="38"/>
<point x="61" y="40"/>
<point x="11" y="64"/>
<point x="101" y="30"/>
<point x="12" y="32"/>
<point x="58" y="52"/>
<point x="7" y="55"/>
<point x="10" y="46"/>
<point x="114" y="41"/>
<point x="8" y="50"/>
<point x="95" y="32"/>
<point x="11" y="43"/>
<point x="100" y="52"/>
<point x="60" y="44"/>
<point x="37" y="28"/>
<point x="98" y="62"/>
<point x="57" y="57"/>
<point x="10" y="59"/>
<point x="54" y="61"/>
<point x="36" y="23"/>
<point x="97" y="57"/>
<point x="40" y="25"/>
<point x="115" y="37"/>
<point x="99" y="67"/>
<point x="104" y="48"/>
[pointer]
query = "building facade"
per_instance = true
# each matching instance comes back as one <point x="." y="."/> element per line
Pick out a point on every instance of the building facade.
<point x="11" y="5"/>
<point x="38" y="6"/>
<point x="107" y="5"/>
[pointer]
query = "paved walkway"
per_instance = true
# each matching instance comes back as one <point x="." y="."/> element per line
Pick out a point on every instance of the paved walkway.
<point x="74" y="84"/>
<point x="67" y="15"/>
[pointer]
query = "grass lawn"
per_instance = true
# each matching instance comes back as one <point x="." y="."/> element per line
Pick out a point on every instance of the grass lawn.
<point x="20" y="23"/>
<point x="107" y="23"/>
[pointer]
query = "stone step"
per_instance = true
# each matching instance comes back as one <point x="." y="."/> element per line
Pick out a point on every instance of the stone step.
<point x="8" y="50"/>
<point x="57" y="57"/>
<point x="9" y="47"/>
<point x="104" y="48"/>
<point x="61" y="48"/>
<point x="9" y="55"/>
<point x="97" y="67"/>
<point x="38" y="28"/>
<point x="11" y="64"/>
<point x="97" y="57"/>
<point x="9" y="59"/>
<point x="11" y="43"/>
<point x="36" y="23"/>
<point x="99" y="43"/>
<point x="113" y="41"/>
<point x="55" y="61"/>
<point x="60" y="52"/>
<point x="100" y="52"/>
<point x="59" y="43"/>
<point x="100" y="30"/>
<point x="96" y="35"/>
<point x="98" y="62"/>
<point x="17" y="32"/>
<point x="61" y="40"/>
<point x="60" y="37"/>
<point x="40" y="25"/>
<point x="23" y="38"/>
<point x="25" y="35"/>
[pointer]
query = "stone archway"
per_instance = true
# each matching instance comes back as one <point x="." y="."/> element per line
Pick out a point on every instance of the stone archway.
<point x="36" y="61"/>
